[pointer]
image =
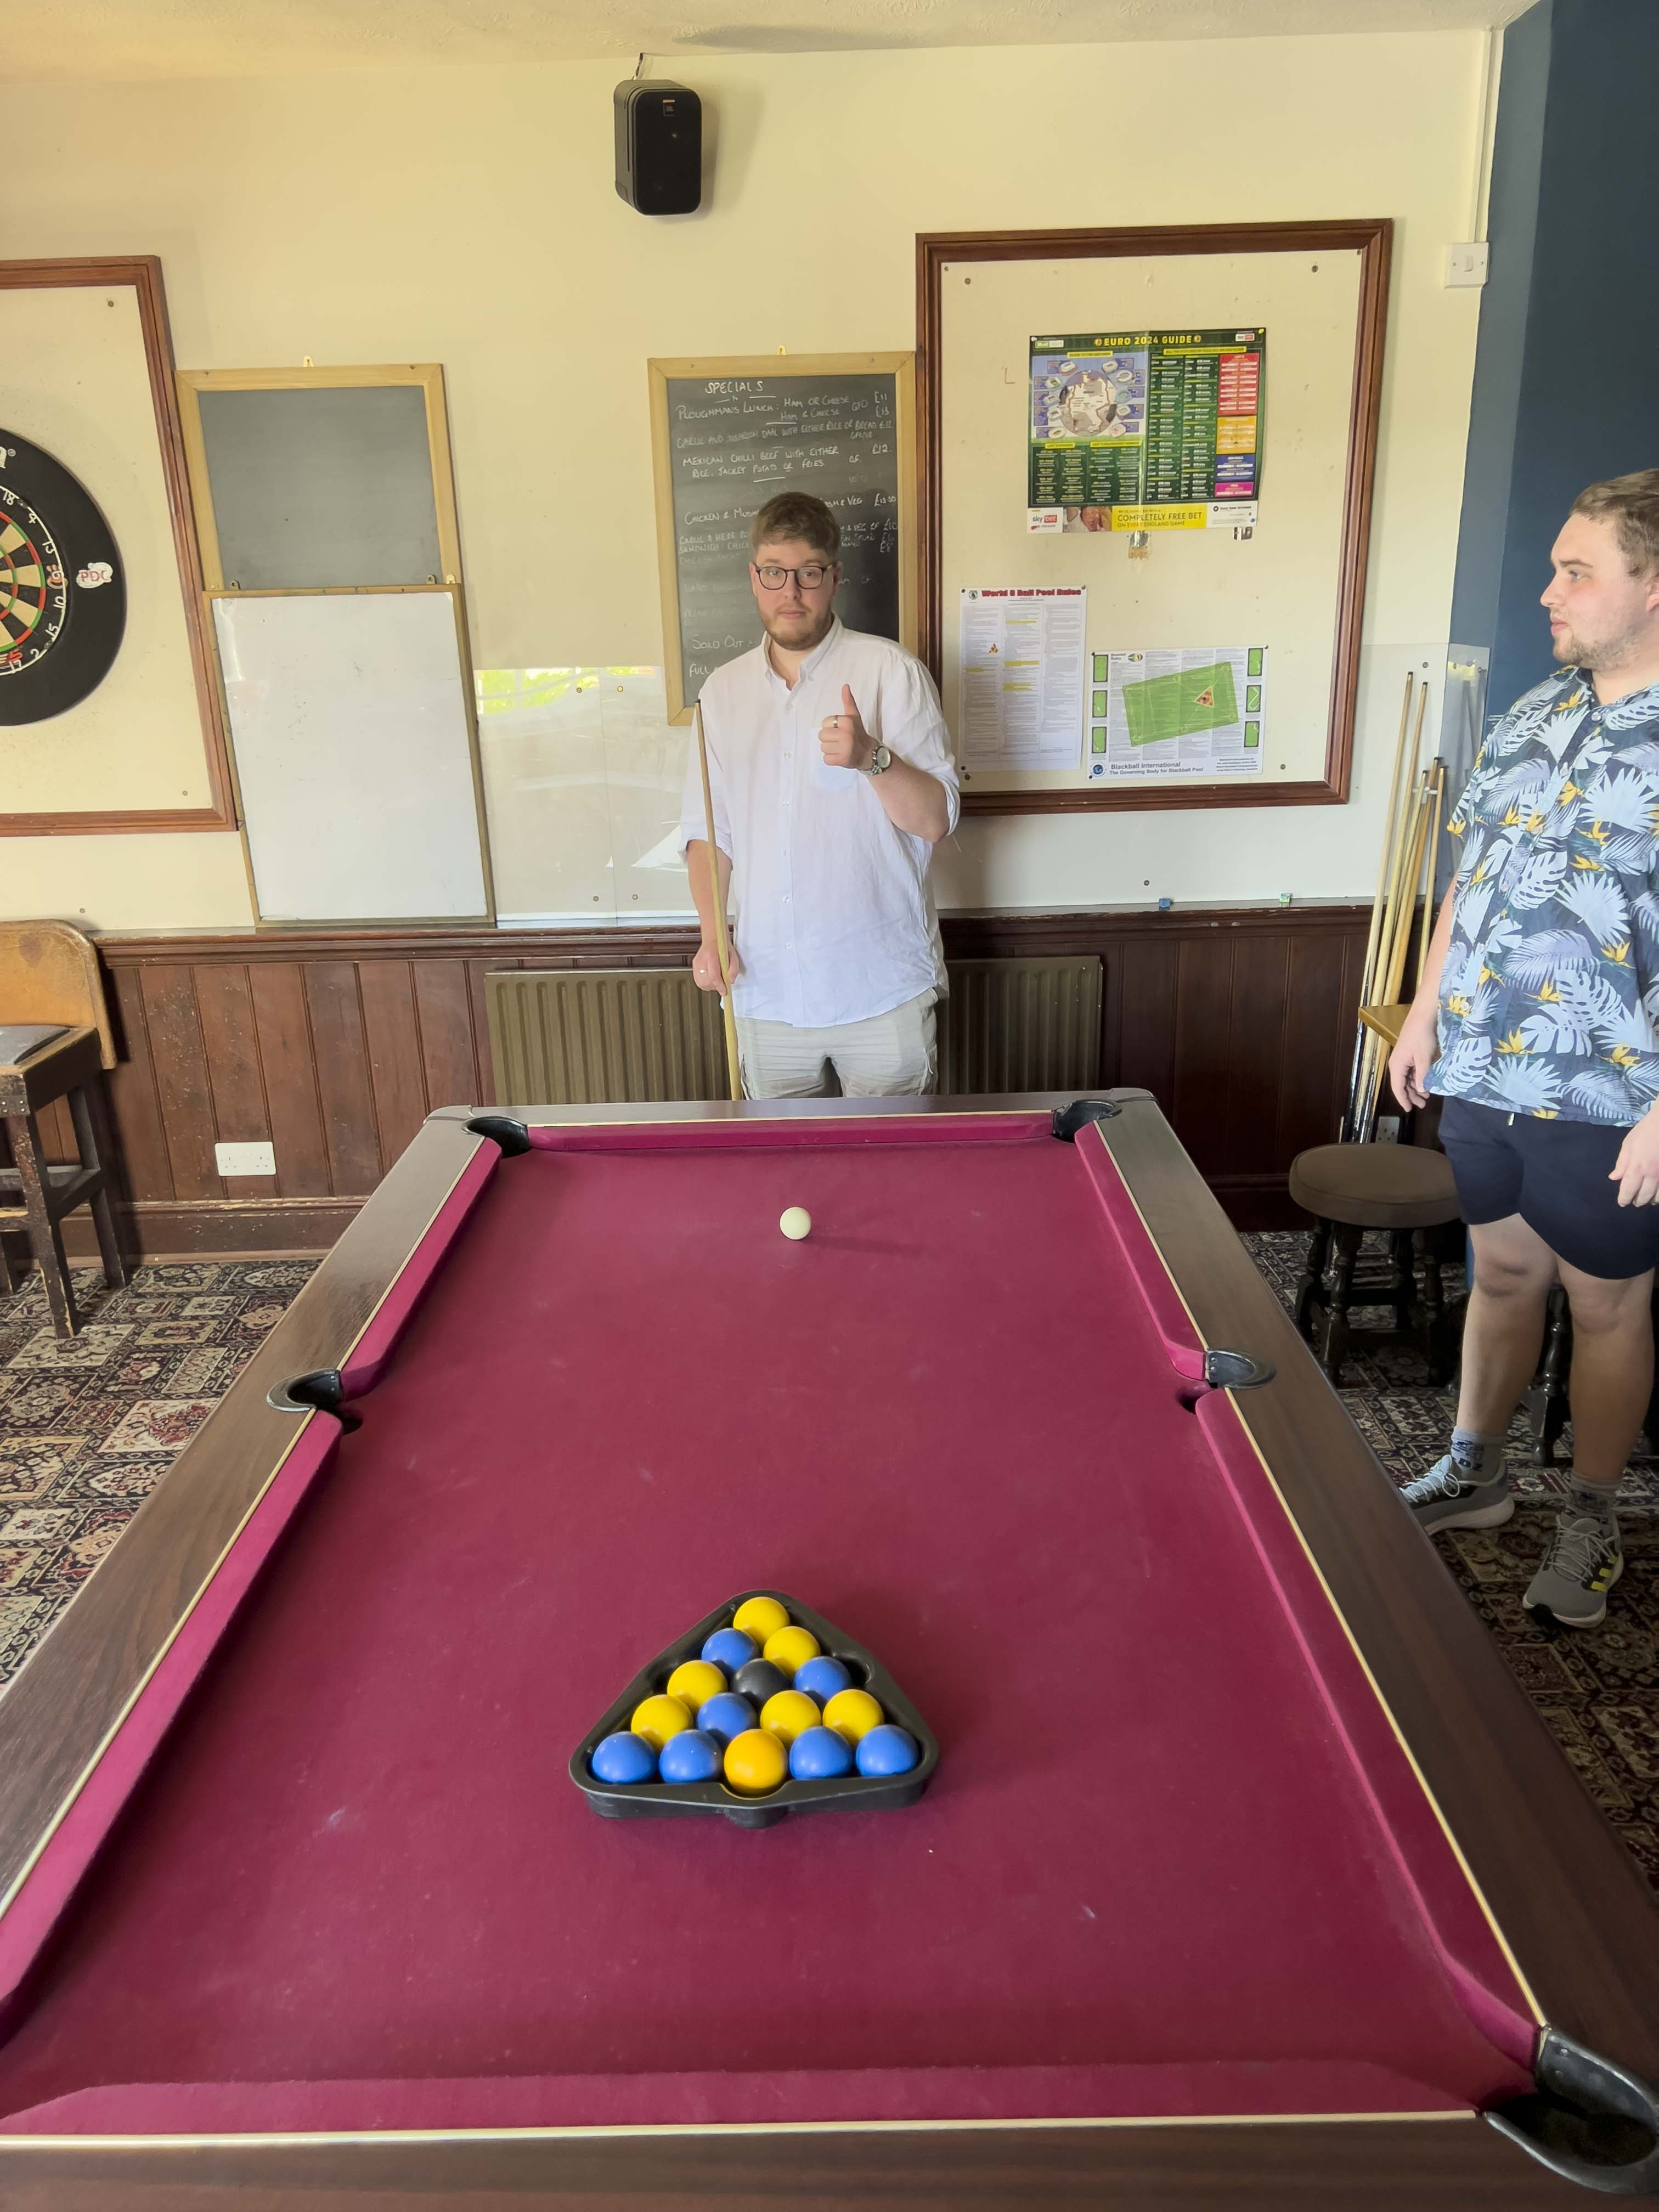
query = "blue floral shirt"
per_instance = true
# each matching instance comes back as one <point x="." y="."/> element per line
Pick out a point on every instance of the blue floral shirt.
<point x="1549" y="997"/>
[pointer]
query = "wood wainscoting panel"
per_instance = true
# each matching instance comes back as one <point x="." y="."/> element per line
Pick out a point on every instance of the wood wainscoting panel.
<point x="333" y="1044"/>
<point x="242" y="1112"/>
<point x="288" y="1061"/>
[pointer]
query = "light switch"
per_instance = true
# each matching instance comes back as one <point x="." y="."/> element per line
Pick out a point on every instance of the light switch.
<point x="245" y="1159"/>
<point x="1466" y="264"/>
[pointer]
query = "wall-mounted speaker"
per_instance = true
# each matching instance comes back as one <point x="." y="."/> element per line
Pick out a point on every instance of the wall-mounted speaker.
<point x="658" y="147"/>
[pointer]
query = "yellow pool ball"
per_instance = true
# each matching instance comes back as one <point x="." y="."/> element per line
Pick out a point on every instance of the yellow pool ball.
<point x="790" y="1647"/>
<point x="851" y="1713"/>
<point x="694" y="1681"/>
<point x="756" y="1762"/>
<point x="789" y="1715"/>
<point x="760" y="1617"/>
<point x="658" y="1718"/>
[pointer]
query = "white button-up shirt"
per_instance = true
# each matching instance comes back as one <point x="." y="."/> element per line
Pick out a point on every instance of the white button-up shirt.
<point x="834" y="922"/>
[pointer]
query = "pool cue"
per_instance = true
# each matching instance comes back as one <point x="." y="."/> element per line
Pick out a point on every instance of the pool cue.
<point x="1411" y="799"/>
<point x="1410" y="880"/>
<point x="1389" y="947"/>
<point x="733" y="1069"/>
<point x="1360" y="1070"/>
<point x="1369" y="972"/>
<point x="1428" y="914"/>
<point x="1396" y="923"/>
<point x="1403" y="912"/>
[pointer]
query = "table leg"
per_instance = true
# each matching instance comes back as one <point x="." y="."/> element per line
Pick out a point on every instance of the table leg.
<point x="1403" y="1285"/>
<point x="1440" y="1338"/>
<point x="1312" y="1290"/>
<point x="1546" y="1399"/>
<point x="23" y="1132"/>
<point x="1347" y="1239"/>
<point x="92" y="1142"/>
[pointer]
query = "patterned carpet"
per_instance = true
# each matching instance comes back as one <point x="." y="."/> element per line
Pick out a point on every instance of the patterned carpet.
<point x="87" y="1428"/>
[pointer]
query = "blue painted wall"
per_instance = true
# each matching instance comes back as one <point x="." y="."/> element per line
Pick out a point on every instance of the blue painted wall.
<point x="1566" y="382"/>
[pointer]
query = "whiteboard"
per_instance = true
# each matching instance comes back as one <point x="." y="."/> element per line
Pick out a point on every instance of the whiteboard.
<point x="352" y="738"/>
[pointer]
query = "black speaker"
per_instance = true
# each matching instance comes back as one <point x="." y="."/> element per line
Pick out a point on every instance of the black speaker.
<point x="658" y="147"/>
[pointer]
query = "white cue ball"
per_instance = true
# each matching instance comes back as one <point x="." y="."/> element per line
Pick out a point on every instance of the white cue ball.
<point x="795" y="1222"/>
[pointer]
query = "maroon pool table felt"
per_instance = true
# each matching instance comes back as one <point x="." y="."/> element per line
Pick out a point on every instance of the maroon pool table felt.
<point x="1174" y="1861"/>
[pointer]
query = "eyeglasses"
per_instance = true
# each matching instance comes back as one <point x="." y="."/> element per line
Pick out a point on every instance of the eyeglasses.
<point x="773" y="579"/>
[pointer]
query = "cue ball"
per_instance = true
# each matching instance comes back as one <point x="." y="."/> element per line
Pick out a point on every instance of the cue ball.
<point x="795" y="1222"/>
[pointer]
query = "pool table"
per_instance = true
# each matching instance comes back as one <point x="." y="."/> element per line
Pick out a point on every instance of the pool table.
<point x="1247" y="1875"/>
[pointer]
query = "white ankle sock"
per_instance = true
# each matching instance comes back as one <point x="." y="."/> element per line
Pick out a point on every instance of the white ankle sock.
<point x="1598" y="1498"/>
<point x="1477" y="1458"/>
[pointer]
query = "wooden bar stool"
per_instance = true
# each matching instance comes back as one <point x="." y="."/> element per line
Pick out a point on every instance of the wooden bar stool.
<point x="1404" y="1190"/>
<point x="55" y="1042"/>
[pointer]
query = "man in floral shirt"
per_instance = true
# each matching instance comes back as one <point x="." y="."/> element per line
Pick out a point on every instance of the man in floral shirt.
<point x="1537" y="1020"/>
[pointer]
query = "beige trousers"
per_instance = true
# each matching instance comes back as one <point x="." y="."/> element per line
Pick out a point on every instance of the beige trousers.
<point x="890" y="1055"/>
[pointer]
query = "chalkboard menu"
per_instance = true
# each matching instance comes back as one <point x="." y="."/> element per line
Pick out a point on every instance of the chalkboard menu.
<point x="730" y="436"/>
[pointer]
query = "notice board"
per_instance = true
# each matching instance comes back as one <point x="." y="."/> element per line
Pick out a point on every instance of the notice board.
<point x="1224" y="576"/>
<point x="729" y="434"/>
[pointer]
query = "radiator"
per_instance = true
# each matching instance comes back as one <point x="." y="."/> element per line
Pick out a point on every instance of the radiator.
<point x="579" y="1036"/>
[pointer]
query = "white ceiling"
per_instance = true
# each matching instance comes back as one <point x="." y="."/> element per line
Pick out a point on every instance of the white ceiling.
<point x="128" y="39"/>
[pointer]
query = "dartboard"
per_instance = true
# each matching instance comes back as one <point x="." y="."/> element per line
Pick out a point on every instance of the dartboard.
<point x="62" y="598"/>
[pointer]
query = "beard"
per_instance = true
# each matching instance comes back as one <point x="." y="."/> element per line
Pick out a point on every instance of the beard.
<point x="1573" y="651"/>
<point x="797" y="633"/>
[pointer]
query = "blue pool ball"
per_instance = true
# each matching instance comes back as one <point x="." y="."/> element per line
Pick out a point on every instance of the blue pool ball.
<point x="624" y="1757"/>
<point x="819" y="1754"/>
<point x="888" y="1750"/>
<point x="693" y="1755"/>
<point x="731" y="1649"/>
<point x="725" y="1717"/>
<point x="822" y="1677"/>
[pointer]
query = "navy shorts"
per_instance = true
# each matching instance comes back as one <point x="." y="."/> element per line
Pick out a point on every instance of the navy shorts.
<point x="1555" y="1176"/>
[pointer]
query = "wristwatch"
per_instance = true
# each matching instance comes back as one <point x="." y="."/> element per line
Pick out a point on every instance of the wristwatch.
<point x="881" y="760"/>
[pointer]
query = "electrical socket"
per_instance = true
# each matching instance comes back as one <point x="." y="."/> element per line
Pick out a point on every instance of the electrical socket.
<point x="1466" y="264"/>
<point x="1387" y="1129"/>
<point x="245" y="1159"/>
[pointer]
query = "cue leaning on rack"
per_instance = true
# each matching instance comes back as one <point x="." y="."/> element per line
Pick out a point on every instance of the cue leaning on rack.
<point x="722" y="944"/>
<point x="1417" y="849"/>
<point x="1394" y="820"/>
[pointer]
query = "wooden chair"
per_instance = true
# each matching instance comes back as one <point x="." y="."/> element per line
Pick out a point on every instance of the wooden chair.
<point x="1405" y="1190"/>
<point x="48" y="982"/>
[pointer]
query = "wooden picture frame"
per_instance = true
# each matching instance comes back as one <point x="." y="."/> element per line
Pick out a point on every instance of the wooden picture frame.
<point x="1372" y="239"/>
<point x="902" y="367"/>
<point x="427" y="377"/>
<point x="141" y="273"/>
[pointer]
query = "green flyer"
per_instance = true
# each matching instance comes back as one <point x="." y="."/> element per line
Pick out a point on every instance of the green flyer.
<point x="1145" y="429"/>
<point x="1176" y="711"/>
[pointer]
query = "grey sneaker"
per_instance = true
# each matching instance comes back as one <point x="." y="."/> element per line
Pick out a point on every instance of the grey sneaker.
<point x="1444" y="1497"/>
<point x="1584" y="1560"/>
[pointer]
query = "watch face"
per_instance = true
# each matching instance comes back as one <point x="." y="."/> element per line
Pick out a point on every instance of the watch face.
<point x="63" y="596"/>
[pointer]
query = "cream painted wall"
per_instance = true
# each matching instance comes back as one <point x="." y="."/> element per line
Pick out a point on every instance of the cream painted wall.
<point x="467" y="215"/>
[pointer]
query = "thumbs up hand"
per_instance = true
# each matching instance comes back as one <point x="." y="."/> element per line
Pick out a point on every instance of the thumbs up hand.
<point x="844" y="738"/>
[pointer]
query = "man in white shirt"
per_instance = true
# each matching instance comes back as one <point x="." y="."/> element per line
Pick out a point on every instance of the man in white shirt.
<point x="832" y="779"/>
